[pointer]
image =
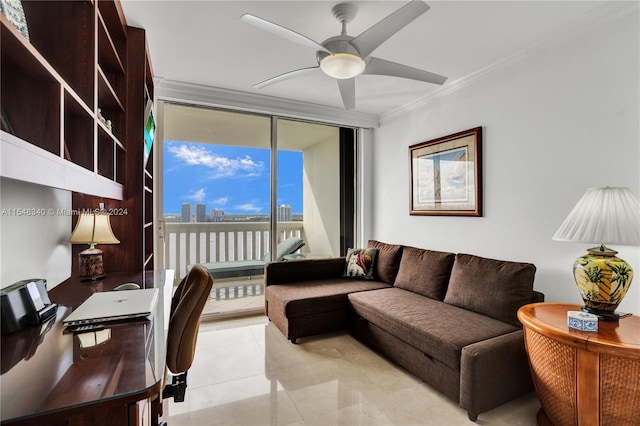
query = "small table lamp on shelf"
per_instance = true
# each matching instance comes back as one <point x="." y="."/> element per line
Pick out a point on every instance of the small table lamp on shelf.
<point x="92" y="229"/>
<point x="603" y="215"/>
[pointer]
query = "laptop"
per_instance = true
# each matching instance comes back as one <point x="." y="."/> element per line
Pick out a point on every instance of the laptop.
<point x="113" y="306"/>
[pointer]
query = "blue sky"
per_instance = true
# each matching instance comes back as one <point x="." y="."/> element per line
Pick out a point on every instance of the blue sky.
<point x="229" y="178"/>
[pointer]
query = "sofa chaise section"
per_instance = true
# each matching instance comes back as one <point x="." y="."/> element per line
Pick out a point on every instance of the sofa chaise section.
<point x="305" y="298"/>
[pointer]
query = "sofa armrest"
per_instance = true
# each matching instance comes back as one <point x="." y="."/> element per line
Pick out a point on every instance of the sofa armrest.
<point x="537" y="297"/>
<point x="303" y="270"/>
<point x="493" y="372"/>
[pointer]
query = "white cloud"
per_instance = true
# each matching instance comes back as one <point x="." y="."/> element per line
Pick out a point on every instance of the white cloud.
<point x="221" y="167"/>
<point x="222" y="201"/>
<point x="249" y="207"/>
<point x="197" y="196"/>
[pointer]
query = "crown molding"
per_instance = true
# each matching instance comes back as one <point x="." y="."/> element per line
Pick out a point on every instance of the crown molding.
<point x="603" y="15"/>
<point x="181" y="92"/>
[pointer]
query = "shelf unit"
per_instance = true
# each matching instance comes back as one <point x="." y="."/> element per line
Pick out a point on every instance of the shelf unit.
<point x="53" y="85"/>
<point x="134" y="225"/>
<point x="148" y="228"/>
<point x="73" y="98"/>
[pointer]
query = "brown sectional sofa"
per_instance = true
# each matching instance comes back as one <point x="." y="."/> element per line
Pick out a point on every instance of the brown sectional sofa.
<point x="450" y="319"/>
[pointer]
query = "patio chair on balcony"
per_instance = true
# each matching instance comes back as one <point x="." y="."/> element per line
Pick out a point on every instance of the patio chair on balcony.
<point x="244" y="268"/>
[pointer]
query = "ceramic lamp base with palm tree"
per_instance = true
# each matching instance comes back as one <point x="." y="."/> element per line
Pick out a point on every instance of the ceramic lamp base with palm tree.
<point x="610" y="215"/>
<point x="603" y="280"/>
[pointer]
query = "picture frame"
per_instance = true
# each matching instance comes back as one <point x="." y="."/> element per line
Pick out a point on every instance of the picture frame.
<point x="446" y="175"/>
<point x="14" y="12"/>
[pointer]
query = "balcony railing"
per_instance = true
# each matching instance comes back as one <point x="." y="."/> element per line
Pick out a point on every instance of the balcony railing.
<point x="189" y="243"/>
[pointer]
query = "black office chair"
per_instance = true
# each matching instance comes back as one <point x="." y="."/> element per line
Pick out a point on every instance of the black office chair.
<point x="186" y="308"/>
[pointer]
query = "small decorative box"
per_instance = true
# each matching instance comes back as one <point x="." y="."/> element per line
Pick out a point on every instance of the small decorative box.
<point x="582" y="321"/>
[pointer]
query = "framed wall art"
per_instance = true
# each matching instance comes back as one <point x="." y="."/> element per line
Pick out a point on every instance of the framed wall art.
<point x="14" y="12"/>
<point x="446" y="175"/>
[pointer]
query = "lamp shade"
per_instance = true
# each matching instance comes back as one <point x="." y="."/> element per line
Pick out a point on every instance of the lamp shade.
<point x="342" y="65"/>
<point x="603" y="216"/>
<point x="93" y="228"/>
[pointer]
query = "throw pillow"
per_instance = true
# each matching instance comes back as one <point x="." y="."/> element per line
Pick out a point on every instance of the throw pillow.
<point x="387" y="261"/>
<point x="495" y="288"/>
<point x="360" y="263"/>
<point x="425" y="272"/>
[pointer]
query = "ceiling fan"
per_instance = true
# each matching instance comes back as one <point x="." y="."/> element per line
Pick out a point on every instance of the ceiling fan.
<point x="344" y="57"/>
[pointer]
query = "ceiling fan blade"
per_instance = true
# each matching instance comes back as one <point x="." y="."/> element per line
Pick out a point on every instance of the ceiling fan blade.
<point x="282" y="32"/>
<point x="372" y="38"/>
<point x="347" y="88"/>
<point x="381" y="67"/>
<point x="283" y="77"/>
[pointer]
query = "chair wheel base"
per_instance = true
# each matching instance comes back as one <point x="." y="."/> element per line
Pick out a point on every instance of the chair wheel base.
<point x="177" y="389"/>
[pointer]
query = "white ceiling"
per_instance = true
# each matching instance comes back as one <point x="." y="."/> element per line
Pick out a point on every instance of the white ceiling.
<point x="188" y="123"/>
<point x="205" y="43"/>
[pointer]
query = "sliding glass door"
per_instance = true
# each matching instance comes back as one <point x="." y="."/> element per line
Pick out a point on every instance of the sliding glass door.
<point x="308" y="186"/>
<point x="237" y="187"/>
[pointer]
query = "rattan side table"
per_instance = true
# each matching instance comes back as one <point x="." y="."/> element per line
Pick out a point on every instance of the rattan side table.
<point x="583" y="378"/>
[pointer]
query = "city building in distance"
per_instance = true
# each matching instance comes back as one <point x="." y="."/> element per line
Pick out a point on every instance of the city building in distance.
<point x="186" y="212"/>
<point x="284" y="213"/>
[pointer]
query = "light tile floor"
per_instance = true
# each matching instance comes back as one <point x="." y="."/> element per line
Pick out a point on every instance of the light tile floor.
<point x="246" y="373"/>
<point x="230" y="298"/>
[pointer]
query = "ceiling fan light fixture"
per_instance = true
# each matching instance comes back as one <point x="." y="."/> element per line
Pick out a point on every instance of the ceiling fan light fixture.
<point x="342" y="65"/>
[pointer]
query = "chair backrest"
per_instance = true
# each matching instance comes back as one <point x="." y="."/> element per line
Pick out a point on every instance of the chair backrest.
<point x="288" y="246"/>
<point x="186" y="308"/>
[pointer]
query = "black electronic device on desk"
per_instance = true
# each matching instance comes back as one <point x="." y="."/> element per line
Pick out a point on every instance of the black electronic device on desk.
<point x="25" y="303"/>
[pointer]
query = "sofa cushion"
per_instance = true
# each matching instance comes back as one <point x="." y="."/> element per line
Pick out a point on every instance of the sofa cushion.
<point x="359" y="263"/>
<point x="425" y="272"/>
<point x="437" y="329"/>
<point x="311" y="297"/>
<point x="387" y="261"/>
<point x="491" y="287"/>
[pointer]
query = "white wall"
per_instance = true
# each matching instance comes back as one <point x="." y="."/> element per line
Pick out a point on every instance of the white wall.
<point x="562" y="120"/>
<point x="321" y="196"/>
<point x="34" y="246"/>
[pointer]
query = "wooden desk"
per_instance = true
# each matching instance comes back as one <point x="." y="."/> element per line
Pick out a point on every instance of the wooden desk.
<point x="583" y="378"/>
<point x="48" y="378"/>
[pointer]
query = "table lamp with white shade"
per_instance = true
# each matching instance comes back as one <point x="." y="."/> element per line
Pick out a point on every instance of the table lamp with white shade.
<point x="603" y="216"/>
<point x="92" y="228"/>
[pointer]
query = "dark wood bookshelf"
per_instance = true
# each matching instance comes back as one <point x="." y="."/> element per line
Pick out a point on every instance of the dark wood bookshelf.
<point x="134" y="227"/>
<point x="82" y="65"/>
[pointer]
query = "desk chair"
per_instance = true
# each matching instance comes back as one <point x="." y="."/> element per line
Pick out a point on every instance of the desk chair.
<point x="186" y="308"/>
